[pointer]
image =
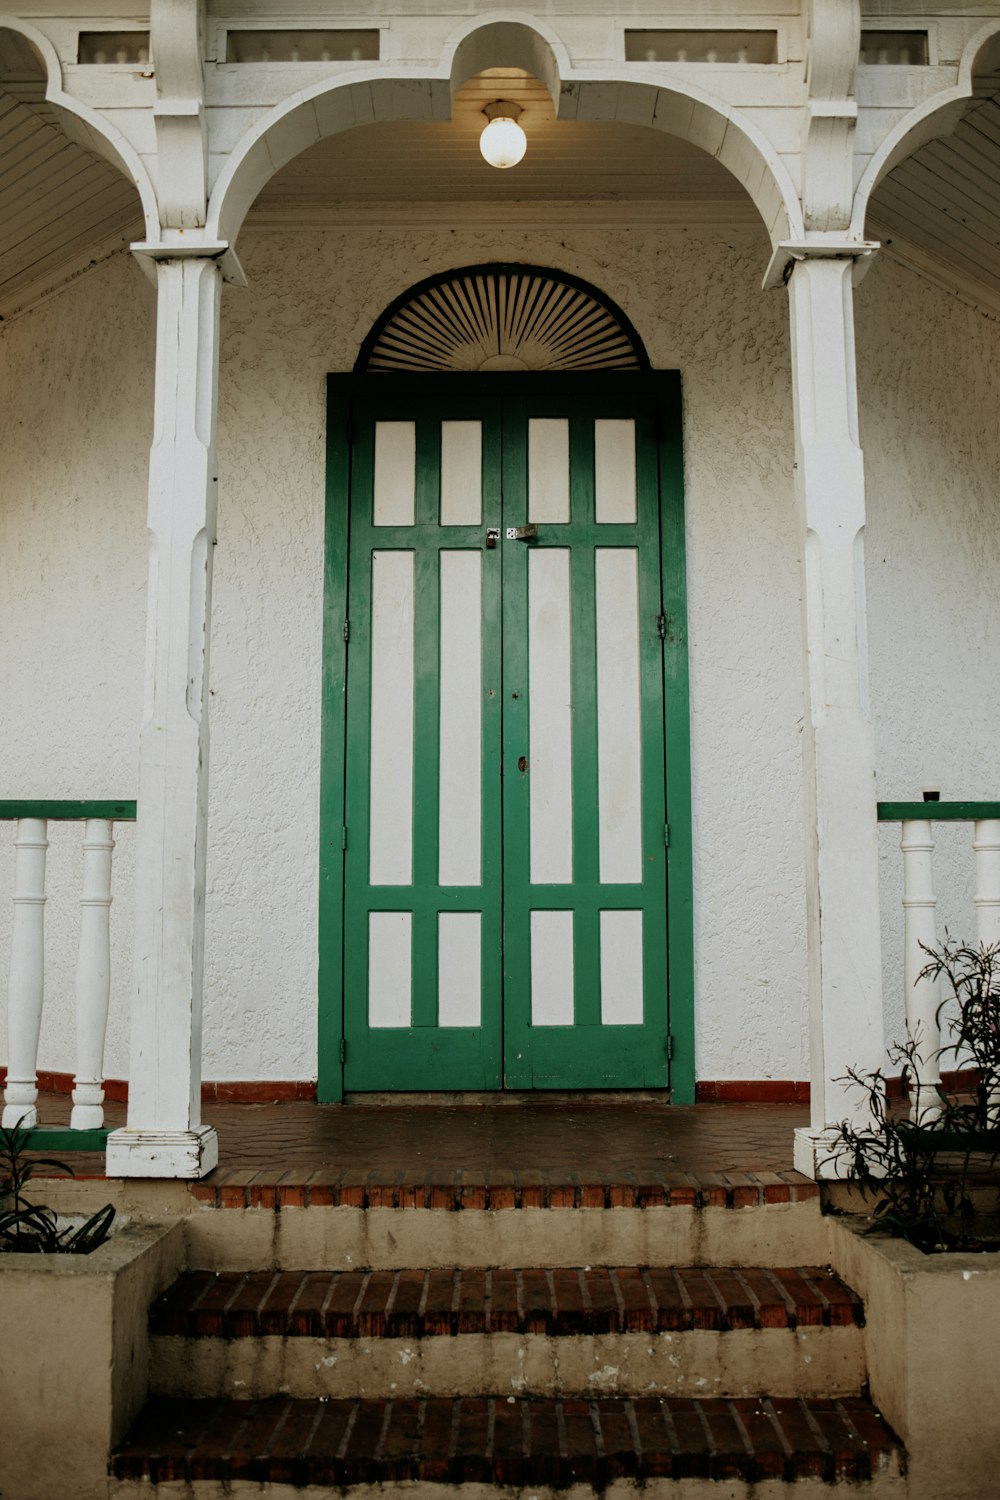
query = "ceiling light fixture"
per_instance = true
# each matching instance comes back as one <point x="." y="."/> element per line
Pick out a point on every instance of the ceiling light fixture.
<point x="503" y="142"/>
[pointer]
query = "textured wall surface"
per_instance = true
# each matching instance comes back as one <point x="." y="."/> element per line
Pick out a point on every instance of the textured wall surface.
<point x="72" y="585"/>
<point x="76" y="393"/>
<point x="312" y="300"/>
<point x="930" y="388"/>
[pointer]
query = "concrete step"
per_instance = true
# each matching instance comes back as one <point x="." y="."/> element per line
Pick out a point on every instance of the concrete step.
<point x="435" y="1445"/>
<point x="247" y="1226"/>
<point x="545" y="1332"/>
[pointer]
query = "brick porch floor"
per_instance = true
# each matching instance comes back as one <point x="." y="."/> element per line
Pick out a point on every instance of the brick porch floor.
<point x="540" y="1150"/>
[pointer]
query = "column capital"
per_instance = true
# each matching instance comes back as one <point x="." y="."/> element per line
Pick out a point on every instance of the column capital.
<point x="148" y="253"/>
<point x="820" y="246"/>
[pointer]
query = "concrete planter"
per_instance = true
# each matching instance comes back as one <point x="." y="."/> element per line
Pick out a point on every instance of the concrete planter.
<point x="932" y="1333"/>
<point x="75" y="1366"/>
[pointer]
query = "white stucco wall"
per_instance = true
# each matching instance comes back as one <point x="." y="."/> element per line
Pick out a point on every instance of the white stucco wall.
<point x="312" y="300"/>
<point x="929" y="371"/>
<point x="72" y="582"/>
<point x="76" y="395"/>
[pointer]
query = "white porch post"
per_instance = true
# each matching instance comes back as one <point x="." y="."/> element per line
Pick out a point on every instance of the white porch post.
<point x="164" y="1136"/>
<point x="845" y="982"/>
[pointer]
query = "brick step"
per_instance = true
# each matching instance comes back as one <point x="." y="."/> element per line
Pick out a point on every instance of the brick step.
<point x="564" y="1301"/>
<point x="619" y="1330"/>
<point x="220" y="1446"/>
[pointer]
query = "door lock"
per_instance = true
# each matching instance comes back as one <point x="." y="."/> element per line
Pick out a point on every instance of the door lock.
<point x="492" y="537"/>
<point x="527" y="533"/>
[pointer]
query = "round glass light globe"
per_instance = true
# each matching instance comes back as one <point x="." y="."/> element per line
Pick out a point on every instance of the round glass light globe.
<point x="503" y="142"/>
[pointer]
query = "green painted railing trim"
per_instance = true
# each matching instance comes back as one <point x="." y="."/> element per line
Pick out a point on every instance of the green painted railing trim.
<point x="63" y="1138"/>
<point x="67" y="810"/>
<point x="936" y="812"/>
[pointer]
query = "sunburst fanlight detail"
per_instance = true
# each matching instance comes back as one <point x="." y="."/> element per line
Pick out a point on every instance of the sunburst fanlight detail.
<point x="502" y="318"/>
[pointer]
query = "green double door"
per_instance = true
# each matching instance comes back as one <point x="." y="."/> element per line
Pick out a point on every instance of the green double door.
<point x="505" y="859"/>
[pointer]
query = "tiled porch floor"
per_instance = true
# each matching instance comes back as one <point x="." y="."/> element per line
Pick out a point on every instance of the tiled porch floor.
<point x="534" y="1143"/>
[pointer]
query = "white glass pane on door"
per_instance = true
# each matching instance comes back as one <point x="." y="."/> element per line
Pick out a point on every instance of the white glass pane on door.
<point x="550" y="711"/>
<point x="621" y="968"/>
<point x="395" y="486"/>
<point x="548" y="469"/>
<point x="619" y="797"/>
<point x="460" y="968"/>
<point x="391" y="813"/>
<point x="461" y="473"/>
<point x="614" y="470"/>
<point x="461" y="720"/>
<point x="390" y="940"/>
<point x="551" y="968"/>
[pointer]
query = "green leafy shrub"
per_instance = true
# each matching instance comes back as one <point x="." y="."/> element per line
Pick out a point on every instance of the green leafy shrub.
<point x="925" y="1180"/>
<point x="32" y="1228"/>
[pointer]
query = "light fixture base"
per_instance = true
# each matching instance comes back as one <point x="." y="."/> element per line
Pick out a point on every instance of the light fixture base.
<point x="502" y="109"/>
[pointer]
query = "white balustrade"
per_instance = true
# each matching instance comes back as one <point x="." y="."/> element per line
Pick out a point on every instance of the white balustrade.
<point x="93" y="976"/>
<point x="27" y="974"/>
<point x="922" y="994"/>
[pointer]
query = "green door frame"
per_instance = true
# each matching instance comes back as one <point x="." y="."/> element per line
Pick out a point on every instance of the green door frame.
<point x="343" y="392"/>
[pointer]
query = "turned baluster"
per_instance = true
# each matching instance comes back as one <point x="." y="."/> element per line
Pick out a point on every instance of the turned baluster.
<point x="921" y="994"/>
<point x="27" y="973"/>
<point x="93" y="976"/>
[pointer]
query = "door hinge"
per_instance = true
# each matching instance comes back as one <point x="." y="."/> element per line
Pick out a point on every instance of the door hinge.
<point x="661" y="625"/>
<point x="343" y="1049"/>
<point x="347" y="630"/>
<point x="343" y="837"/>
<point x="666" y="835"/>
<point x="670" y="1048"/>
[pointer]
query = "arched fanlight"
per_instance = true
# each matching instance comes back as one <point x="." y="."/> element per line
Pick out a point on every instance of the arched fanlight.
<point x="502" y="317"/>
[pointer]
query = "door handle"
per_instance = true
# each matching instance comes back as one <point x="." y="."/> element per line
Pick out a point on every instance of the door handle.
<point x="527" y="533"/>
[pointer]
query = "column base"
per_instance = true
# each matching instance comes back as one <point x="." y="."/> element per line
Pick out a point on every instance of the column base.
<point x="25" y="1115"/>
<point x="162" y="1153"/>
<point x="821" y="1155"/>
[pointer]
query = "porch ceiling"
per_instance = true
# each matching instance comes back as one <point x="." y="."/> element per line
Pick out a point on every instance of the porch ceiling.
<point x="939" y="211"/>
<point x="61" y="207"/>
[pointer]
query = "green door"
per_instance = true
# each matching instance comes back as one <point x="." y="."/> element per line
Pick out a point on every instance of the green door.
<point x="505" y="903"/>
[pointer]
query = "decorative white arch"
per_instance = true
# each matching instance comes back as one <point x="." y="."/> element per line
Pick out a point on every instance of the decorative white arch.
<point x="502" y="40"/>
<point x="85" y="125"/>
<point x="935" y="117"/>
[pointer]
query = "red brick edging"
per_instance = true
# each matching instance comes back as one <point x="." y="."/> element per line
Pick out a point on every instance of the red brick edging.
<point x="325" y="1189"/>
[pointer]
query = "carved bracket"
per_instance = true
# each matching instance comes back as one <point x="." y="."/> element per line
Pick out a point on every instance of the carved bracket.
<point x="828" y="146"/>
<point x="176" y="29"/>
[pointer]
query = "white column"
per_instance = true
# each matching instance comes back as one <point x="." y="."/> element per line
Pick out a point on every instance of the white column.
<point x="27" y="974"/>
<point x="922" y="996"/>
<point x="93" y="976"/>
<point x="164" y="1136"/>
<point x="845" y="982"/>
